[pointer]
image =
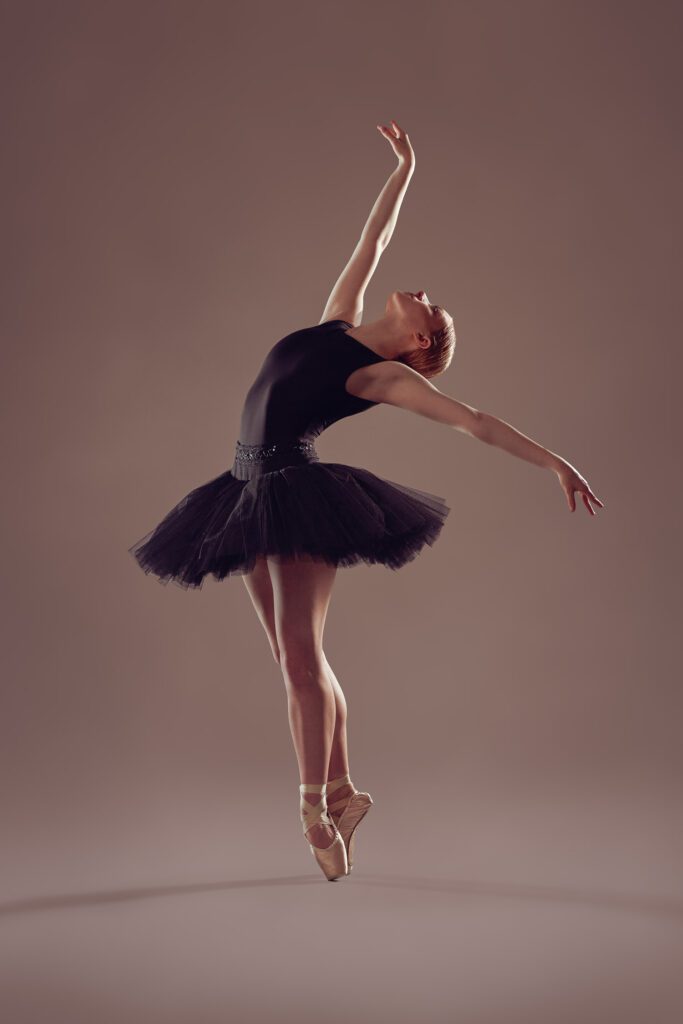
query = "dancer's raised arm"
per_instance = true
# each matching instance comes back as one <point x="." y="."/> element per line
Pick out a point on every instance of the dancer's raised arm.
<point x="397" y="384"/>
<point x="346" y="298"/>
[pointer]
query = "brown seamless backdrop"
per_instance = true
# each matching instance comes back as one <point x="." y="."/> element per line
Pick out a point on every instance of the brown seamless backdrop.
<point x="183" y="185"/>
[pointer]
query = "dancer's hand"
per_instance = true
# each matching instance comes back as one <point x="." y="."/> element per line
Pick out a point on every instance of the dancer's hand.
<point x="400" y="143"/>
<point x="571" y="480"/>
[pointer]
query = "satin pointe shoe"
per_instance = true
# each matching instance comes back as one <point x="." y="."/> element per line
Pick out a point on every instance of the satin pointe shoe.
<point x="331" y="860"/>
<point x="353" y="809"/>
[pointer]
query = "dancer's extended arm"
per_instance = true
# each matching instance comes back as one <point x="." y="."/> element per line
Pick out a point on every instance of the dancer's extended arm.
<point x="398" y="384"/>
<point x="346" y="298"/>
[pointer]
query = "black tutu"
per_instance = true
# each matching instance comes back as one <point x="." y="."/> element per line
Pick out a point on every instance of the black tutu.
<point x="287" y="504"/>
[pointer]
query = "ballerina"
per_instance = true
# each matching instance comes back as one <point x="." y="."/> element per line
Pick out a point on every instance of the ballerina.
<point x="285" y="521"/>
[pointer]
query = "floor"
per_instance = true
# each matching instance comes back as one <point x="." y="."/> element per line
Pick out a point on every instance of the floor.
<point x="438" y="923"/>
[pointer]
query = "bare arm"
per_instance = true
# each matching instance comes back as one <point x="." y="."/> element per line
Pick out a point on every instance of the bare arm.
<point x="408" y="389"/>
<point x="381" y="223"/>
<point x="397" y="384"/>
<point x="345" y="301"/>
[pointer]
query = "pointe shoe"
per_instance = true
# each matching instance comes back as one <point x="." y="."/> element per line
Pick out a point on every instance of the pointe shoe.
<point x="353" y="809"/>
<point x="332" y="859"/>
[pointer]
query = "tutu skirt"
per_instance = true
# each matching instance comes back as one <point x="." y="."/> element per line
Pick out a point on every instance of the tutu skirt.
<point x="281" y="501"/>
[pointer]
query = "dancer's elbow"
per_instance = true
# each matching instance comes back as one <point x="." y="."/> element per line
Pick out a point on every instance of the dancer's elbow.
<point x="405" y="388"/>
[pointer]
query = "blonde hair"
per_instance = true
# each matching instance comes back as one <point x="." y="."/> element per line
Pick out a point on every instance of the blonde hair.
<point x="433" y="360"/>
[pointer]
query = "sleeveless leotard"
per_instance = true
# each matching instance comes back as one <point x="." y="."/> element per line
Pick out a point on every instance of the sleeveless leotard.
<point x="300" y="389"/>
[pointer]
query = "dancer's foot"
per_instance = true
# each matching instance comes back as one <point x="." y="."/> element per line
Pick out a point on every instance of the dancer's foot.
<point x="317" y="824"/>
<point x="347" y="811"/>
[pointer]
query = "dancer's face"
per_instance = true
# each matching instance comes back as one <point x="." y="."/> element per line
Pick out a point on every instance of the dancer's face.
<point x="416" y="313"/>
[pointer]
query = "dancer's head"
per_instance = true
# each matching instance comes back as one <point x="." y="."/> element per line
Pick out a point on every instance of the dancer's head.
<point x="428" y="329"/>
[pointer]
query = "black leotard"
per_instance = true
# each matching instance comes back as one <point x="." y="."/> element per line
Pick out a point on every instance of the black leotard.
<point x="300" y="389"/>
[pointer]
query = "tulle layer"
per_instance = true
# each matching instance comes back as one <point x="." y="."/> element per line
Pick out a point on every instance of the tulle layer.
<point x="337" y="514"/>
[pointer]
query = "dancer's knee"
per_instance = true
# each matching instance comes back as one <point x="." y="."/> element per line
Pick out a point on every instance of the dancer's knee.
<point x="301" y="661"/>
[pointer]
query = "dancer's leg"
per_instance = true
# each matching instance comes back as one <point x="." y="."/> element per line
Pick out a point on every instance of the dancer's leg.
<point x="260" y="590"/>
<point x="339" y="760"/>
<point x="301" y="594"/>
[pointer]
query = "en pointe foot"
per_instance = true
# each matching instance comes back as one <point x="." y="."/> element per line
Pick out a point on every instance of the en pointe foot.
<point x="324" y="840"/>
<point x="347" y="811"/>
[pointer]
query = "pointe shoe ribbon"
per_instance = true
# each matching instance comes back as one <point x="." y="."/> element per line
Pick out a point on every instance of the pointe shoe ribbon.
<point x="331" y="859"/>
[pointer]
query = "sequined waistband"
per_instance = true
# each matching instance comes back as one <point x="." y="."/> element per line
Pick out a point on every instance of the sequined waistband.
<point x="255" y="459"/>
<point x="259" y="452"/>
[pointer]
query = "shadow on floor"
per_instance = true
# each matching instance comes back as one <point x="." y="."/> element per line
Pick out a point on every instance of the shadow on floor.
<point x="629" y="902"/>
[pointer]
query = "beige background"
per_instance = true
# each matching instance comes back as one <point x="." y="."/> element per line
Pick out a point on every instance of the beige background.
<point x="183" y="184"/>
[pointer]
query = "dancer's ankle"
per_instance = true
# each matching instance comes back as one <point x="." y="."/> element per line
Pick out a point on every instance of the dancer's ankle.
<point x="343" y="792"/>
<point x="320" y="833"/>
